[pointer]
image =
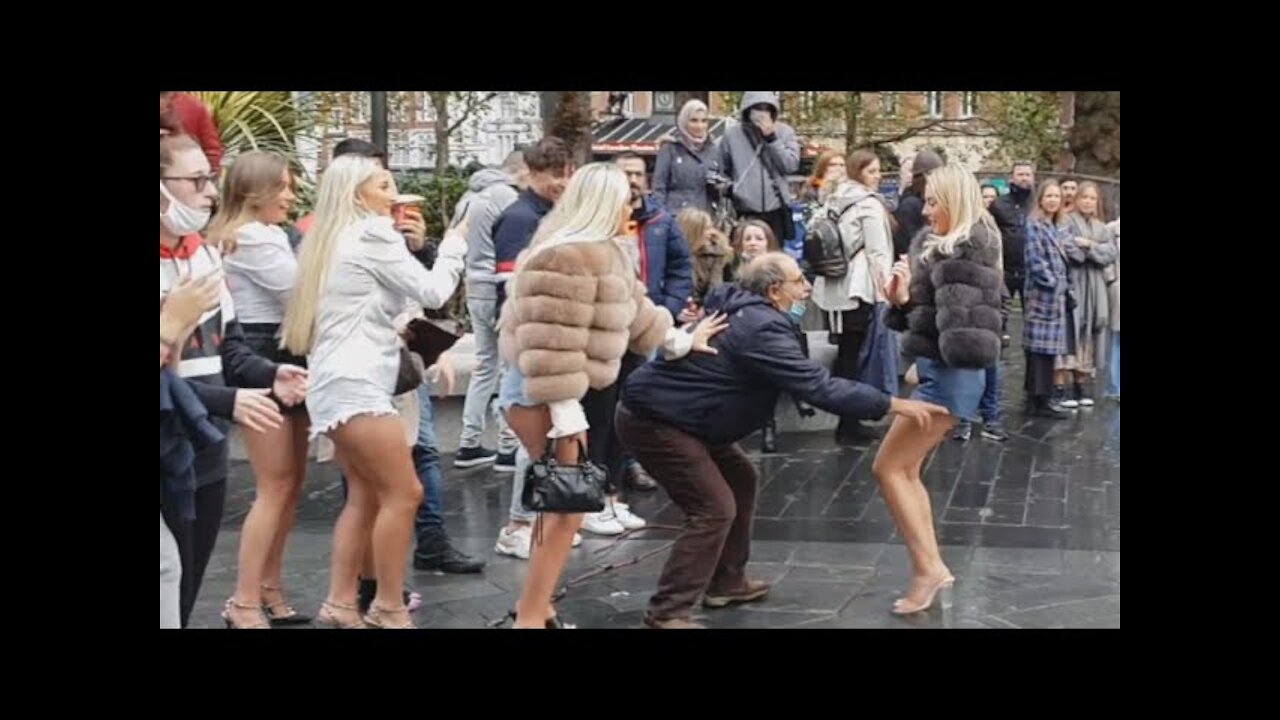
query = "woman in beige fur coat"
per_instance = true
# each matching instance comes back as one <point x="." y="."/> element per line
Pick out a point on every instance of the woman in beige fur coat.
<point x="574" y="307"/>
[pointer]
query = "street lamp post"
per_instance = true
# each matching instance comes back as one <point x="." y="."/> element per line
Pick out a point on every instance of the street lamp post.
<point x="378" y="102"/>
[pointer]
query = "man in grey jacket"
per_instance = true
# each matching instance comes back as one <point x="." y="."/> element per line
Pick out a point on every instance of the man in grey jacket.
<point x="757" y="154"/>
<point x="489" y="192"/>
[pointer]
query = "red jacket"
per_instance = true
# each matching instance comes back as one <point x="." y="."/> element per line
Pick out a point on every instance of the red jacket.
<point x="196" y="121"/>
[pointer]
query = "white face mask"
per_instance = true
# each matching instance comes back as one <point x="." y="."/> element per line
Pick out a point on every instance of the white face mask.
<point x="181" y="219"/>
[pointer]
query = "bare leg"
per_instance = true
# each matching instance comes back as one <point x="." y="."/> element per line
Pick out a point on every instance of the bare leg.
<point x="547" y="558"/>
<point x="376" y="449"/>
<point x="897" y="469"/>
<point x="275" y="477"/>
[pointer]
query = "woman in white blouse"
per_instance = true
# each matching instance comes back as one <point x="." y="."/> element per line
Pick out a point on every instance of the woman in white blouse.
<point x="261" y="269"/>
<point x="355" y="275"/>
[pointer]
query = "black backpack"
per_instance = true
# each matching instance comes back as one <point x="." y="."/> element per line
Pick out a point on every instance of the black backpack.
<point x="824" y="243"/>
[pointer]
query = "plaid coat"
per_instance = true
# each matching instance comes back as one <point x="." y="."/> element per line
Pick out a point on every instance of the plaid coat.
<point x="1045" y="329"/>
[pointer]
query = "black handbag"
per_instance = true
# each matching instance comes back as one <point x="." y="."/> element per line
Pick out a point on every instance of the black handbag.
<point x="550" y="486"/>
<point x="410" y="377"/>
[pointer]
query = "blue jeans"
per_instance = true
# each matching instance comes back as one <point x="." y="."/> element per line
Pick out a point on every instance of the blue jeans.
<point x="426" y="460"/>
<point x="484" y="378"/>
<point x="1113" y="371"/>
<point x="990" y="405"/>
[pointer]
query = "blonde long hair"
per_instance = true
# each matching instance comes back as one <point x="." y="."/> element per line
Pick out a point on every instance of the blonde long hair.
<point x="958" y="193"/>
<point x="337" y="210"/>
<point x="254" y="180"/>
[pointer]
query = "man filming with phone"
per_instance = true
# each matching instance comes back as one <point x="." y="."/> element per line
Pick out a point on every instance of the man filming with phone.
<point x="757" y="154"/>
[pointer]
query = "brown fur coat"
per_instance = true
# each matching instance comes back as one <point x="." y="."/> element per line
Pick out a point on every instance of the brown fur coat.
<point x="572" y="312"/>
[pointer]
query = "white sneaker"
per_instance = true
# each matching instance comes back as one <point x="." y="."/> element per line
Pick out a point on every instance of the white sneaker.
<point x="627" y="519"/>
<point x="516" y="544"/>
<point x="1071" y="404"/>
<point x="602" y="523"/>
<point x="577" y="539"/>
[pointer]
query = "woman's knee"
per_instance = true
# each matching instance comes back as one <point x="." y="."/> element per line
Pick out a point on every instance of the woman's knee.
<point x="889" y="469"/>
<point x="405" y="494"/>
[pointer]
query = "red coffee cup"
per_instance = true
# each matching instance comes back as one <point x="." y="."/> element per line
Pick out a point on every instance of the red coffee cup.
<point x="403" y="203"/>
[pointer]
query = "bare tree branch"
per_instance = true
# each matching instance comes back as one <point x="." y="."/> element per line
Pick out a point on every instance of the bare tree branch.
<point x="473" y="103"/>
<point x="914" y="131"/>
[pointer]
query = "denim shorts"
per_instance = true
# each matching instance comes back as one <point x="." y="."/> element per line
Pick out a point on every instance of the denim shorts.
<point x="958" y="390"/>
<point x="511" y="390"/>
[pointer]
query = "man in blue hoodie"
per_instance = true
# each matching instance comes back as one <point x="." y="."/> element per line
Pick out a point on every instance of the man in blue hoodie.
<point x="683" y="420"/>
<point x="758" y="154"/>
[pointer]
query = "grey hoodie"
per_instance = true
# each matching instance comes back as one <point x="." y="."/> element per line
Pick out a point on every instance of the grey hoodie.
<point x="754" y="191"/>
<point x="489" y="192"/>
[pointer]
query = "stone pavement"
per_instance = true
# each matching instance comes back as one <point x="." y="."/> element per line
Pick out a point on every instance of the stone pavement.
<point x="1031" y="529"/>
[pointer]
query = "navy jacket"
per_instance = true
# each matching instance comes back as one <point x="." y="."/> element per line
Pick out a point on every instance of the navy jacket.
<point x="723" y="398"/>
<point x="665" y="265"/>
<point x="184" y="429"/>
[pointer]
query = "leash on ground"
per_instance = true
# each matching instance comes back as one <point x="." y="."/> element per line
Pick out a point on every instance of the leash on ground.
<point x="598" y="570"/>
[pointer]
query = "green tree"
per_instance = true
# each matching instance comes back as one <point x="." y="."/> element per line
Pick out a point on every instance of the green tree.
<point x="1095" y="134"/>
<point x="1027" y="126"/>
<point x="567" y="115"/>
<point x="451" y="111"/>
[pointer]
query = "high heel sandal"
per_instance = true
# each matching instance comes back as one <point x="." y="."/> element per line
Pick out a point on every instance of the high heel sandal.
<point x="329" y="616"/>
<point x="376" y="618"/>
<point x="942" y="587"/>
<point x="288" y="617"/>
<point x="231" y="624"/>
<point x="553" y="623"/>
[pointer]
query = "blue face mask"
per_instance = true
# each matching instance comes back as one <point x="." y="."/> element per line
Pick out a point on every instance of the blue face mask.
<point x="796" y="311"/>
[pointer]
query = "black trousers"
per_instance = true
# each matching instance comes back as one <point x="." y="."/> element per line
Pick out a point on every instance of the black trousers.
<point x="196" y="539"/>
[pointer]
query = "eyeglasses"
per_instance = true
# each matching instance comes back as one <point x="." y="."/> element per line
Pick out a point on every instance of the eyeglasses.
<point x="200" y="181"/>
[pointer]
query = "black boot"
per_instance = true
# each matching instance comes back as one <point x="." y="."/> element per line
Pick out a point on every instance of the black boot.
<point x="435" y="553"/>
<point x="769" y="437"/>
<point x="852" y="433"/>
<point x="1046" y="408"/>
<point x="639" y="479"/>
<point x="368" y="591"/>
<point x="364" y="597"/>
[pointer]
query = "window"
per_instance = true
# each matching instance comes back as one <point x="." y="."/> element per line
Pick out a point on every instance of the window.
<point x="933" y="104"/>
<point x="398" y="107"/>
<point x="889" y="104"/>
<point x="506" y="145"/>
<point x="360" y="108"/>
<point x="968" y="104"/>
<point x="510" y="107"/>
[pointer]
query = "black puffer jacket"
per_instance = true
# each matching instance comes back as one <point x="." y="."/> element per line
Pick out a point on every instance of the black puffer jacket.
<point x="1010" y="212"/>
<point x="954" y="312"/>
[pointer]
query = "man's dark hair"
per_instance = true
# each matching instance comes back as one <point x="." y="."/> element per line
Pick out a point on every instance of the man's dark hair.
<point x="989" y="185"/>
<point x="1069" y="179"/>
<point x="1022" y="163"/>
<point x="627" y="155"/>
<point x="549" y="153"/>
<point x="363" y="148"/>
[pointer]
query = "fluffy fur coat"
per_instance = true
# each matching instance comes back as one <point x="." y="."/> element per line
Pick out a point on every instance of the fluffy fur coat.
<point x="572" y="312"/>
